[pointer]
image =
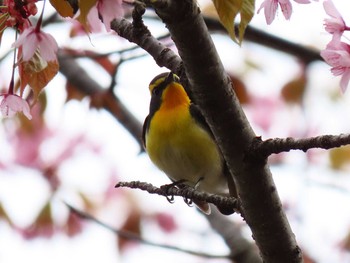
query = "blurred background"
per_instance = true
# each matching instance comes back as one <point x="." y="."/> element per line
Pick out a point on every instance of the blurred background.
<point x="80" y="143"/>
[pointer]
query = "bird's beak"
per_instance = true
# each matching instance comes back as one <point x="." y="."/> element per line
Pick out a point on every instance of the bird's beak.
<point x="170" y="78"/>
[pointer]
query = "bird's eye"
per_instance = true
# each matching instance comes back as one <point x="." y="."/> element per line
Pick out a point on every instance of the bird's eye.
<point x="156" y="91"/>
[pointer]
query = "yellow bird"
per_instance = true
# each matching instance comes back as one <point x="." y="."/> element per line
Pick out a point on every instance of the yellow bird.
<point x="179" y="142"/>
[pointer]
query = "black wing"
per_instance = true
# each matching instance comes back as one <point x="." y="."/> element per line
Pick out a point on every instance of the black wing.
<point x="144" y="130"/>
<point x="198" y="116"/>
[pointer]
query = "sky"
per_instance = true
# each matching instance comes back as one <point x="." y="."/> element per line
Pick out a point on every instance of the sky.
<point x="120" y="151"/>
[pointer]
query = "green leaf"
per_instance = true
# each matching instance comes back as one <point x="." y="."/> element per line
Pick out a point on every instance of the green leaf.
<point x="63" y="8"/>
<point x="247" y="13"/>
<point x="85" y="7"/>
<point x="228" y="11"/>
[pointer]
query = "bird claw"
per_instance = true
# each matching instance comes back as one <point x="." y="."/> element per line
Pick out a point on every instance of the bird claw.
<point x="170" y="198"/>
<point x="167" y="188"/>
<point x="180" y="184"/>
<point x="188" y="201"/>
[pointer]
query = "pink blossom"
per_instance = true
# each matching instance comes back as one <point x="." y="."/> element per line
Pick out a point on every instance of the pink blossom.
<point x="270" y="9"/>
<point x="263" y="111"/>
<point x="12" y="104"/>
<point x="33" y="39"/>
<point x="166" y="222"/>
<point x="94" y="21"/>
<point x="109" y="10"/>
<point x="337" y="55"/>
<point x="27" y="145"/>
<point x="336" y="22"/>
<point x="302" y="1"/>
<point x="18" y="13"/>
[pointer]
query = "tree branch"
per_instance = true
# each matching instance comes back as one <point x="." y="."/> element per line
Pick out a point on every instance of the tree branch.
<point x="242" y="250"/>
<point x="139" y="34"/>
<point x="80" y="79"/>
<point x="134" y="237"/>
<point x="260" y="37"/>
<point x="188" y="193"/>
<point x="252" y="34"/>
<point x="262" y="149"/>
<point x="212" y="92"/>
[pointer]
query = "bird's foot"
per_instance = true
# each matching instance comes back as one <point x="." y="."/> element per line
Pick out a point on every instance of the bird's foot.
<point x="176" y="184"/>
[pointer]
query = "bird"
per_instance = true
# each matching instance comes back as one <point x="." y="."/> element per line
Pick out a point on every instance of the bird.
<point x="180" y="143"/>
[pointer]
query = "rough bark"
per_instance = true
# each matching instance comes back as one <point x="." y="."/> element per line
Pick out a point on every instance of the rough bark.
<point x="212" y="91"/>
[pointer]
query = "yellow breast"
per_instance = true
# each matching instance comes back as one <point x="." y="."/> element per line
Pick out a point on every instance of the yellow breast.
<point x="183" y="149"/>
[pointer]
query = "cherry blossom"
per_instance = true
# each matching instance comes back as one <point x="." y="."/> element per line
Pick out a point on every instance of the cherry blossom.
<point x="337" y="55"/>
<point x="105" y="10"/>
<point x="95" y="24"/>
<point x="12" y="104"/>
<point x="16" y="13"/>
<point x="109" y="10"/>
<point x="166" y="222"/>
<point x="302" y="1"/>
<point x="270" y="8"/>
<point x="32" y="39"/>
<point x="336" y="22"/>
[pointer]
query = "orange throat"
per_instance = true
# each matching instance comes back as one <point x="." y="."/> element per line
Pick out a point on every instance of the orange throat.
<point x="173" y="97"/>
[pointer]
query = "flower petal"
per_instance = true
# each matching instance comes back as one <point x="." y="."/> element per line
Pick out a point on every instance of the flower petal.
<point x="31" y="40"/>
<point x="109" y="9"/>
<point x="344" y="81"/>
<point x="302" y="1"/>
<point x="270" y="9"/>
<point x="48" y="47"/>
<point x="286" y="8"/>
<point x="13" y="104"/>
<point x="336" y="23"/>
<point x="330" y="9"/>
<point x="29" y="47"/>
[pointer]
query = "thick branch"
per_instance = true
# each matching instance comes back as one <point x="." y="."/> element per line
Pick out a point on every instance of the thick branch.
<point x="263" y="149"/>
<point x="80" y="79"/>
<point x="242" y="250"/>
<point x="212" y="91"/>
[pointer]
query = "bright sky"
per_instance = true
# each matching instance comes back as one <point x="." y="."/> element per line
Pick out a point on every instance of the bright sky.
<point x="120" y="151"/>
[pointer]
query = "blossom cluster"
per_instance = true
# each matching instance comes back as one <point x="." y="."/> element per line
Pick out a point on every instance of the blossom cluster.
<point x="32" y="43"/>
<point x="337" y="52"/>
<point x="37" y="51"/>
<point x="270" y="8"/>
<point x="16" y="13"/>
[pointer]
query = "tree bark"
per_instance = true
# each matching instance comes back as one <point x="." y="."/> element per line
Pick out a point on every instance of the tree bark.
<point x="212" y="91"/>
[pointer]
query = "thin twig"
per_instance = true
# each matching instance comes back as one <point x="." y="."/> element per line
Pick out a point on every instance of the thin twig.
<point x="134" y="237"/>
<point x="120" y="52"/>
<point x="139" y="34"/>
<point x="265" y="148"/>
<point x="260" y="37"/>
<point x="189" y="193"/>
